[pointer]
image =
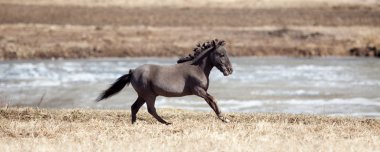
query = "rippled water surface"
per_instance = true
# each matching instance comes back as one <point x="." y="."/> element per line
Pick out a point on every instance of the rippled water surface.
<point x="332" y="86"/>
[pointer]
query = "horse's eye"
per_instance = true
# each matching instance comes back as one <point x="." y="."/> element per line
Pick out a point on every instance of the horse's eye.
<point x="221" y="55"/>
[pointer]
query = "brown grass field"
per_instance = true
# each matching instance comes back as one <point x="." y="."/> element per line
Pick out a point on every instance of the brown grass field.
<point x="33" y="129"/>
<point x="36" y="29"/>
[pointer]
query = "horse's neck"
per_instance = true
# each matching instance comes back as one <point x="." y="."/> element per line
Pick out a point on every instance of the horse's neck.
<point x="206" y="66"/>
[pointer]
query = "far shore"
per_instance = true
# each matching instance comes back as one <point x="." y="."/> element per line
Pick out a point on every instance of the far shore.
<point x="51" y="31"/>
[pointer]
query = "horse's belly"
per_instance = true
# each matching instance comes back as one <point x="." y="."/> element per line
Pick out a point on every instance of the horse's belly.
<point x="173" y="94"/>
<point x="170" y="87"/>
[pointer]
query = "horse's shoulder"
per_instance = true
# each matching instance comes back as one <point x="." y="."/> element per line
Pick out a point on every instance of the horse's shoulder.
<point x="196" y="72"/>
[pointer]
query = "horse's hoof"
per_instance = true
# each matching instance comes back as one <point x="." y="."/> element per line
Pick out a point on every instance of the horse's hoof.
<point x="225" y="120"/>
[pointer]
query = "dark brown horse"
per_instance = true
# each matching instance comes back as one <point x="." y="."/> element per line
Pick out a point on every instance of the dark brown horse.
<point x="189" y="77"/>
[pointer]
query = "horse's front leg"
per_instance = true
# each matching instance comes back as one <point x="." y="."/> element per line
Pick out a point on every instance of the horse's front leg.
<point x="211" y="102"/>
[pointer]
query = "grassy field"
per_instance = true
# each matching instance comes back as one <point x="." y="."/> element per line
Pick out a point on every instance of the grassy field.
<point x="31" y="129"/>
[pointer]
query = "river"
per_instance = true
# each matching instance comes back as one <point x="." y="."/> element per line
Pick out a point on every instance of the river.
<point x="325" y="86"/>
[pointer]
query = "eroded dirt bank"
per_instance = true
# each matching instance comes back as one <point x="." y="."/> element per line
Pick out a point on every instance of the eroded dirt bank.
<point x="47" y="31"/>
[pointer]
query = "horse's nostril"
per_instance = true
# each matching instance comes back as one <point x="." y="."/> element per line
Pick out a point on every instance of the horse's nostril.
<point x="230" y="69"/>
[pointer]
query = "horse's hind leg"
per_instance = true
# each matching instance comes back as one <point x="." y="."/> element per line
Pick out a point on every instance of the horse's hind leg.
<point x="150" y="101"/>
<point x="135" y="108"/>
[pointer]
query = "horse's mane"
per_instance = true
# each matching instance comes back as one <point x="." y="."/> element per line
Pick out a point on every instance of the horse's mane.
<point x="200" y="48"/>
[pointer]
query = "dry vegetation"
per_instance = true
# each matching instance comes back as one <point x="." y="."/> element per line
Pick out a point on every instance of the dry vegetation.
<point x="93" y="28"/>
<point x="30" y="129"/>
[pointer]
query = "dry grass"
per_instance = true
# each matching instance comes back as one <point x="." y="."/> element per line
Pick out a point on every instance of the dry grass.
<point x="28" y="129"/>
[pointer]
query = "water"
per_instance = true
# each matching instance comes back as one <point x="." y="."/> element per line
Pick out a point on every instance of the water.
<point x="328" y="86"/>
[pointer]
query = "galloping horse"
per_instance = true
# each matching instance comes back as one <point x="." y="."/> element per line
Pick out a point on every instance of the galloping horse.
<point x="190" y="76"/>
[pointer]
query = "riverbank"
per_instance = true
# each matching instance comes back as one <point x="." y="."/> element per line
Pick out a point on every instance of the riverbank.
<point x="34" y="129"/>
<point x="47" y="30"/>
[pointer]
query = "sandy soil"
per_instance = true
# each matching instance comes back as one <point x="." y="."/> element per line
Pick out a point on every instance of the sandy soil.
<point x="30" y="129"/>
<point x="60" y="29"/>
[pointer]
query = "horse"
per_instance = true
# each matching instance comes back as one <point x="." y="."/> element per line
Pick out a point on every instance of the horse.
<point x="190" y="76"/>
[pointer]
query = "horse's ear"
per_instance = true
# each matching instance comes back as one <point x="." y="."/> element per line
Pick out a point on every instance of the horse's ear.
<point x="222" y="43"/>
<point x="214" y="42"/>
<point x="201" y="55"/>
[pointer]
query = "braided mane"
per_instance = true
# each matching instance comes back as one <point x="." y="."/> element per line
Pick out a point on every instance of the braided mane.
<point x="200" y="48"/>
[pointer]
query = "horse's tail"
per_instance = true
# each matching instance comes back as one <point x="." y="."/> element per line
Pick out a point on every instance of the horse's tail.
<point x="116" y="86"/>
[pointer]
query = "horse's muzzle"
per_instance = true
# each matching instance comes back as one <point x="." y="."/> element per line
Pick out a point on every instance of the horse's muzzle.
<point x="230" y="70"/>
<point x="225" y="73"/>
<point x="226" y="70"/>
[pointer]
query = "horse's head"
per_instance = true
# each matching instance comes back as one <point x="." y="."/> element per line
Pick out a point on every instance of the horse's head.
<point x="219" y="58"/>
<point x="215" y="53"/>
